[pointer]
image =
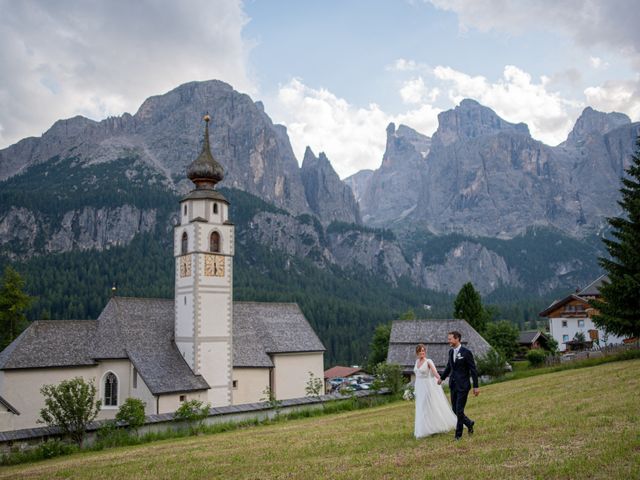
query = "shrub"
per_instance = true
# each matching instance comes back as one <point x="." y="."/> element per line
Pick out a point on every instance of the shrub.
<point x="53" y="448"/>
<point x="389" y="375"/>
<point x="70" y="405"/>
<point x="109" y="435"/>
<point x="193" y="412"/>
<point x="536" y="357"/>
<point x="315" y="386"/>
<point x="132" y="413"/>
<point x="492" y="364"/>
<point x="270" y="398"/>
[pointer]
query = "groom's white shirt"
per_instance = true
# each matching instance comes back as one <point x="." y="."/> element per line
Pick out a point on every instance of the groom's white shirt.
<point x="455" y="353"/>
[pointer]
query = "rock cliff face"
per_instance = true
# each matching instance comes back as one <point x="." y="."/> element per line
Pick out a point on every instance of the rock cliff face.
<point x="166" y="133"/>
<point x="394" y="190"/>
<point x="328" y="197"/>
<point x="483" y="176"/>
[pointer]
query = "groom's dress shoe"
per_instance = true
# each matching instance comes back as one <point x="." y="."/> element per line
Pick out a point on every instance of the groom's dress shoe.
<point x="457" y="439"/>
<point x="471" y="428"/>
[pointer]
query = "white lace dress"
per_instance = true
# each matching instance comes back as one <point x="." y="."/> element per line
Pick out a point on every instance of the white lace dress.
<point x="433" y="412"/>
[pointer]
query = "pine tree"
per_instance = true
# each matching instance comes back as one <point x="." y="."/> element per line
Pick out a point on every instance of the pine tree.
<point x="13" y="304"/>
<point x="619" y="309"/>
<point x="468" y="306"/>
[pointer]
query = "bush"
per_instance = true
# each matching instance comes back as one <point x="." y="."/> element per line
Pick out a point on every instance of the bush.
<point x="53" y="448"/>
<point x="536" y="357"/>
<point x="70" y="405"/>
<point x="314" y="387"/>
<point x="193" y="412"/>
<point x="389" y="375"/>
<point x="503" y="336"/>
<point x="131" y="412"/>
<point x="109" y="435"/>
<point x="492" y="364"/>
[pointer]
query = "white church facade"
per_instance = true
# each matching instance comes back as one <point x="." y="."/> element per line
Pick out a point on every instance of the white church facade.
<point x="200" y="345"/>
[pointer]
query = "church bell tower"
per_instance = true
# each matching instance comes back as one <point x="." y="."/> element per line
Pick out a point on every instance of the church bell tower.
<point x="203" y="251"/>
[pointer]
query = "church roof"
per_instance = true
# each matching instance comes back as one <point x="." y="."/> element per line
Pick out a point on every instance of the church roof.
<point x="142" y="330"/>
<point x="51" y="343"/>
<point x="406" y="334"/>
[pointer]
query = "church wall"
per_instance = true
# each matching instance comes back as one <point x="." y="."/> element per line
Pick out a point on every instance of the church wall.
<point x="250" y="385"/>
<point x="170" y="402"/>
<point x="291" y="373"/>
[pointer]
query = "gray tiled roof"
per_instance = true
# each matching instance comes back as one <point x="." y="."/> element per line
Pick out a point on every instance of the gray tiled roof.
<point x="142" y="329"/>
<point x="51" y="343"/>
<point x="260" y="329"/>
<point x="406" y="334"/>
<point x="593" y="289"/>
<point x="528" y="337"/>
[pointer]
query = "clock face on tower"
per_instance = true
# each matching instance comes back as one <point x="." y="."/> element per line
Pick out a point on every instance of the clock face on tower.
<point x="185" y="266"/>
<point x="214" y="265"/>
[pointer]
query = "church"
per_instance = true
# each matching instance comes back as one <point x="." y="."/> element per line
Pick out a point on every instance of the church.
<point x="200" y="345"/>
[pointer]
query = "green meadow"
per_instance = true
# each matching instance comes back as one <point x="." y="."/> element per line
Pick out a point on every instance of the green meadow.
<point x="572" y="424"/>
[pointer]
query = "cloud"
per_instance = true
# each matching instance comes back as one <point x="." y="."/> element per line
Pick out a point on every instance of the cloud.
<point x="611" y="24"/>
<point x="352" y="137"/>
<point x="598" y="63"/>
<point x="415" y="91"/>
<point x="618" y="96"/>
<point x="97" y="58"/>
<point x="516" y="98"/>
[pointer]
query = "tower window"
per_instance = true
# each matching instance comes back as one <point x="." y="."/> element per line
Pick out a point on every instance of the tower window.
<point x="111" y="390"/>
<point x="214" y="242"/>
<point x="215" y="208"/>
<point x="185" y="243"/>
<point x="185" y="209"/>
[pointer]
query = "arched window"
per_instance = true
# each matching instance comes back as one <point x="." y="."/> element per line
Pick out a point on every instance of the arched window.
<point x="215" y="208"/>
<point x="185" y="243"/>
<point x="214" y="242"/>
<point x="185" y="209"/>
<point x="110" y="390"/>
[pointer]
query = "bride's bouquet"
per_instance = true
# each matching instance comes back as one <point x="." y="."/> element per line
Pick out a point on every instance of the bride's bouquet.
<point x="408" y="393"/>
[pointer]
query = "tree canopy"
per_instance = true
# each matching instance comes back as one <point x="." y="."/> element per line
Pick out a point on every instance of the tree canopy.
<point x="619" y="306"/>
<point x="13" y="305"/>
<point x="468" y="306"/>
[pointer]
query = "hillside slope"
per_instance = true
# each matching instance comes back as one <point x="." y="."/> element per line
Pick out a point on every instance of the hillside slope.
<point x="559" y="425"/>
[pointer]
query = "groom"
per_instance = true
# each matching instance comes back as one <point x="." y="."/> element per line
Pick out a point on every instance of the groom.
<point x="460" y="366"/>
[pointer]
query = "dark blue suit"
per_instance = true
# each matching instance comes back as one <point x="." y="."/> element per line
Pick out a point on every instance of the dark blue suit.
<point x="460" y="371"/>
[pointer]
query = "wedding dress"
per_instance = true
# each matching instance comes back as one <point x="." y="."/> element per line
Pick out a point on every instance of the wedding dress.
<point x="433" y="412"/>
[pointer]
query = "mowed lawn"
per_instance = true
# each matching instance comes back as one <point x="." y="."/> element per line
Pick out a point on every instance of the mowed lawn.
<point x="578" y="424"/>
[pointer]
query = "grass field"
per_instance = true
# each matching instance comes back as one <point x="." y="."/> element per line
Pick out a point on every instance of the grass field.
<point x="572" y="424"/>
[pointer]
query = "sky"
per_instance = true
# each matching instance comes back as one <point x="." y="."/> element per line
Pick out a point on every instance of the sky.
<point x="334" y="72"/>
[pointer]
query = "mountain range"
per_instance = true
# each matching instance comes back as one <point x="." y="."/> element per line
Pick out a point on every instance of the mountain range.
<point x="480" y="200"/>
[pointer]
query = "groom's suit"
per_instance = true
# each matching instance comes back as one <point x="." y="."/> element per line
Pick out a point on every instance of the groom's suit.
<point x="460" y="369"/>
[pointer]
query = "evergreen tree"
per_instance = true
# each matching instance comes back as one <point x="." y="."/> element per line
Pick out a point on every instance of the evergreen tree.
<point x="468" y="306"/>
<point x="13" y="304"/>
<point x="619" y="309"/>
<point x="379" y="345"/>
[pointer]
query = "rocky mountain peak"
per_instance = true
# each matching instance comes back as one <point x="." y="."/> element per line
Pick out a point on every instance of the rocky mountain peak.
<point x="594" y="122"/>
<point x="327" y="195"/>
<point x="404" y="142"/>
<point x="470" y="120"/>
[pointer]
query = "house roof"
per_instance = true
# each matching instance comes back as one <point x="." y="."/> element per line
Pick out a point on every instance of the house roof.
<point x="593" y="289"/>
<point x="559" y="303"/>
<point x="339" y="371"/>
<point x="528" y="337"/>
<point x="142" y="330"/>
<point x="406" y="334"/>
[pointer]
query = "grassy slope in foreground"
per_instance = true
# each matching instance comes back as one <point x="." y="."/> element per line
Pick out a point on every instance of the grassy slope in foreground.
<point x="572" y="424"/>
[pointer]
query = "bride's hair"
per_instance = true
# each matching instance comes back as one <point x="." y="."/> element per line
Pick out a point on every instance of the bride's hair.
<point x="419" y="347"/>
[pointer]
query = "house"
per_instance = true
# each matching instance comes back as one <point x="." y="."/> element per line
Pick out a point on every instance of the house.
<point x="199" y="345"/>
<point x="406" y="334"/>
<point x="571" y="318"/>
<point x="533" y="340"/>
<point x="335" y="376"/>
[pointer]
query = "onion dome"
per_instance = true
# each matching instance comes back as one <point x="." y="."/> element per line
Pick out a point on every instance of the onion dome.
<point x="205" y="171"/>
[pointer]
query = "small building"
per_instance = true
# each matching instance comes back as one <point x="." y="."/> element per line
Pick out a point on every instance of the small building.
<point x="571" y="318"/>
<point x="406" y="334"/>
<point x="341" y="372"/>
<point x="533" y="340"/>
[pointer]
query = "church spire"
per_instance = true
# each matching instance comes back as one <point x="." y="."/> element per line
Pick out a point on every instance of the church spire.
<point x="205" y="171"/>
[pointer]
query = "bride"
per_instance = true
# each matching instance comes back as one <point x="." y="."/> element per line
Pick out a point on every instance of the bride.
<point x="433" y="413"/>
